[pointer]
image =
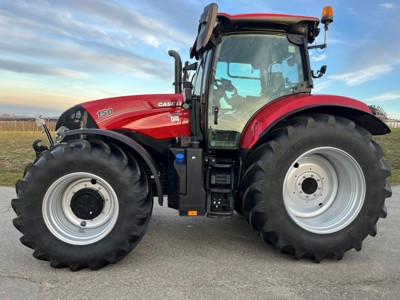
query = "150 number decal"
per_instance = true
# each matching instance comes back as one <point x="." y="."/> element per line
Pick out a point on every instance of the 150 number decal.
<point x="105" y="112"/>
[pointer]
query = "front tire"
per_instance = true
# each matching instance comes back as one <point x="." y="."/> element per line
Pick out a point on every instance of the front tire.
<point x="83" y="204"/>
<point x="316" y="188"/>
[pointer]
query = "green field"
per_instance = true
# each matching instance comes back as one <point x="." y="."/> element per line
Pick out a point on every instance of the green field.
<point x="391" y="144"/>
<point x="16" y="152"/>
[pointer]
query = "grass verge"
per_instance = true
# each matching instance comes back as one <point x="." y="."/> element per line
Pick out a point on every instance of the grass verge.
<point x="391" y="145"/>
<point x="15" y="153"/>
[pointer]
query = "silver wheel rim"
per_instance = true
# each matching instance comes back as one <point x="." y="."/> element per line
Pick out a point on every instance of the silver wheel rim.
<point x="69" y="227"/>
<point x="324" y="190"/>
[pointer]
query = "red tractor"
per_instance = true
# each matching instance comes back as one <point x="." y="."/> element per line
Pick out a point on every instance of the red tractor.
<point x="245" y="134"/>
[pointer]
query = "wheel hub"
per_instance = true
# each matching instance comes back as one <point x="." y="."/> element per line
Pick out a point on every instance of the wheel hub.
<point x="87" y="204"/>
<point x="312" y="184"/>
<point x="308" y="186"/>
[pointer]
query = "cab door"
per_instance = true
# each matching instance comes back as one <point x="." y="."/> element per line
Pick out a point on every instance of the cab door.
<point x="248" y="72"/>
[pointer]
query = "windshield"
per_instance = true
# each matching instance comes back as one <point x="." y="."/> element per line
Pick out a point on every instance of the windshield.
<point x="248" y="72"/>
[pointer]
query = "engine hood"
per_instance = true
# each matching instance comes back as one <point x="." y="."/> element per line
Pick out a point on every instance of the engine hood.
<point x="159" y="116"/>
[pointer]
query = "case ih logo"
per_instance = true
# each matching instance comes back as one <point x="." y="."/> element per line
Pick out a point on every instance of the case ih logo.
<point x="170" y="103"/>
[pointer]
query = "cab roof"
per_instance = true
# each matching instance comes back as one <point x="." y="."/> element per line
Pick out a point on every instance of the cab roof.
<point x="280" y="22"/>
<point x="212" y="23"/>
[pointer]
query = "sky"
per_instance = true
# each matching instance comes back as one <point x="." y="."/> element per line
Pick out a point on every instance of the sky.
<point x="57" y="53"/>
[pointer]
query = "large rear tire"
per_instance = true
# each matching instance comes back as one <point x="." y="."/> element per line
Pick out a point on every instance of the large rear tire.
<point x="83" y="204"/>
<point x="316" y="188"/>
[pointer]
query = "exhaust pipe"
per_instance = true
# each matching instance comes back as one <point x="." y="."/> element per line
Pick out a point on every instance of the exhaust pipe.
<point x="178" y="71"/>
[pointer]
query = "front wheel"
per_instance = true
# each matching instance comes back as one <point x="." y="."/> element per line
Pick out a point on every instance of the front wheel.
<point x="83" y="204"/>
<point x="316" y="188"/>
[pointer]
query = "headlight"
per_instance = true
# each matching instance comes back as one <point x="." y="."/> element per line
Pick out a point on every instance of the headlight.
<point x="60" y="133"/>
<point x="75" y="118"/>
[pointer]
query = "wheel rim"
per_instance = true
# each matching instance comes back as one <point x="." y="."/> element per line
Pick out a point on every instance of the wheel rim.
<point x="324" y="190"/>
<point x="80" y="208"/>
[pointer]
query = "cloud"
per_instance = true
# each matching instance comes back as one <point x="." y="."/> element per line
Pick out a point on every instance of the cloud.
<point x="110" y="16"/>
<point x="319" y="57"/>
<point x="321" y="86"/>
<point x="43" y="55"/>
<point x="58" y="95"/>
<point x="384" y="97"/>
<point x="24" y="67"/>
<point x="387" y="5"/>
<point x="363" y="75"/>
<point x="152" y="41"/>
<point x="78" y="35"/>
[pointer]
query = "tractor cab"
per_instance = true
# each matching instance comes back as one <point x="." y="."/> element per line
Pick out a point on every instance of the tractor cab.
<point x="244" y="63"/>
<point x="248" y="71"/>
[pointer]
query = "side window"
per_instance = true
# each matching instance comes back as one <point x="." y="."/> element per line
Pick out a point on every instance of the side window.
<point x="291" y="67"/>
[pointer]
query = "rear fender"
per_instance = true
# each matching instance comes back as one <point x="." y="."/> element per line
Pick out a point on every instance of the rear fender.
<point x="274" y="113"/>
<point x="129" y="143"/>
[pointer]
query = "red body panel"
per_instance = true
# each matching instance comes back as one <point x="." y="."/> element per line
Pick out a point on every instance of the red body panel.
<point x="157" y="116"/>
<point x="274" y="111"/>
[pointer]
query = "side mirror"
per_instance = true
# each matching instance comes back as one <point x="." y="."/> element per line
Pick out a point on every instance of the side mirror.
<point x="320" y="72"/>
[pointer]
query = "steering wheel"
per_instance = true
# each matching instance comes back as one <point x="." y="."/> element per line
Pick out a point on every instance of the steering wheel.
<point x="225" y="85"/>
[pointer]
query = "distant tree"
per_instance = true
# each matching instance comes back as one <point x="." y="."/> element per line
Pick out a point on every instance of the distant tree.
<point x="4" y="116"/>
<point x="379" y="112"/>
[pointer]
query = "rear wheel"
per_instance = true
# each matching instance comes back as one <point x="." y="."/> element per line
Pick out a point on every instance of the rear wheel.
<point x="316" y="188"/>
<point x="311" y="190"/>
<point x="83" y="204"/>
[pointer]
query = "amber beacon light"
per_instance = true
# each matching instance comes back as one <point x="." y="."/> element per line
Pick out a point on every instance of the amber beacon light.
<point x="326" y="19"/>
<point x="327" y="15"/>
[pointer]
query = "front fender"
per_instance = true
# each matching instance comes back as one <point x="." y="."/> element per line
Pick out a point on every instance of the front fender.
<point x="129" y="143"/>
<point x="273" y="113"/>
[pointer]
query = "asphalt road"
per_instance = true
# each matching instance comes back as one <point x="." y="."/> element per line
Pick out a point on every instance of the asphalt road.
<point x="201" y="258"/>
